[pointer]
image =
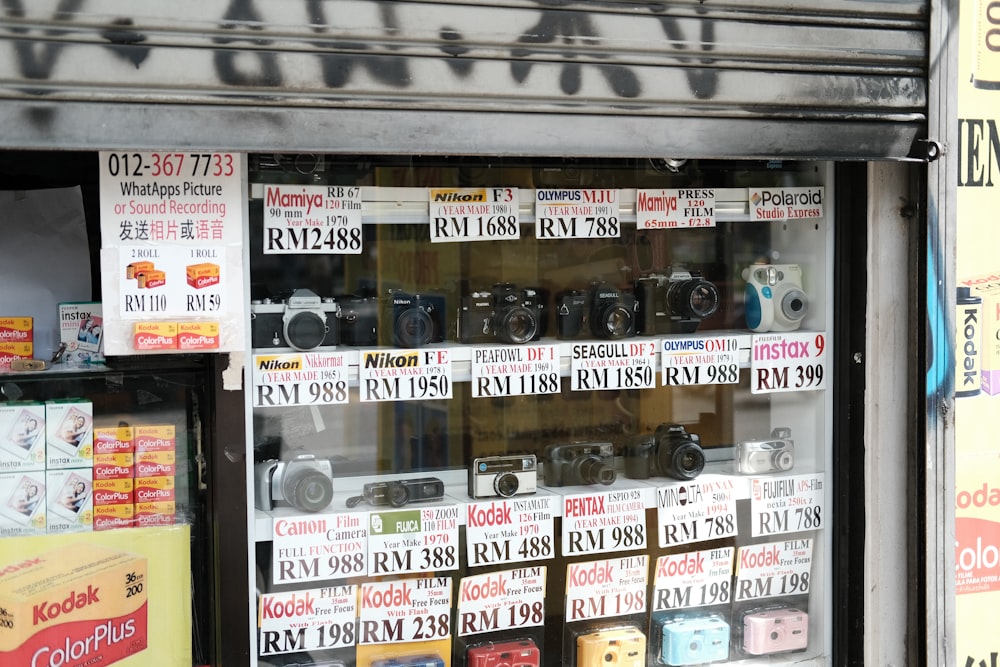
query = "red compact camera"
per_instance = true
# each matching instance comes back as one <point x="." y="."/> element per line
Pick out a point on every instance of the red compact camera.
<point x="515" y="653"/>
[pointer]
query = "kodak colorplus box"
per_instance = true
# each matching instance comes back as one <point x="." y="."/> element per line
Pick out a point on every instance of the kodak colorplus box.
<point x="114" y="440"/>
<point x="155" y="464"/>
<point x="987" y="287"/>
<point x="114" y="466"/>
<point x="81" y="330"/>
<point x="78" y="605"/>
<point x="117" y="491"/>
<point x="154" y="336"/>
<point x="197" y="335"/>
<point x="70" y="500"/>
<point x="202" y="275"/>
<point x="22" y="504"/>
<point x="111" y="517"/>
<point x="70" y="427"/>
<point x="154" y="490"/>
<point x="133" y="270"/>
<point x="155" y="438"/>
<point x="16" y="330"/>
<point x="22" y="436"/>
<point x="155" y="513"/>
<point x="12" y="351"/>
<point x="150" y="278"/>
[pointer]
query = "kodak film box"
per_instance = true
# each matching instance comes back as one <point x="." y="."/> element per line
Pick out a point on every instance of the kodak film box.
<point x="114" y="440"/>
<point x="16" y="330"/>
<point x="198" y="335"/>
<point x="70" y="500"/>
<point x="203" y="275"/>
<point x="114" y="503"/>
<point x="22" y="504"/>
<point x="114" y="466"/>
<point x="81" y="330"/>
<point x="987" y="287"/>
<point x="150" y="278"/>
<point x="149" y="336"/>
<point x="10" y="352"/>
<point x="155" y="513"/>
<point x="70" y="427"/>
<point x="22" y="436"/>
<point x="154" y="438"/>
<point x="111" y="517"/>
<point x="78" y="605"/>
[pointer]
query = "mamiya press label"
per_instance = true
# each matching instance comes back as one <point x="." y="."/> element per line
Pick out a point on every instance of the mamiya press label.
<point x="504" y="600"/>
<point x="787" y="504"/>
<point x="674" y="209"/>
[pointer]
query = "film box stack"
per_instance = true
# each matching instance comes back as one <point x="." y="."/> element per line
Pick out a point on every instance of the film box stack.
<point x="16" y="340"/>
<point x="22" y="468"/>
<point x="114" y="477"/>
<point x="81" y="326"/>
<point x="69" y="460"/>
<point x="155" y="475"/>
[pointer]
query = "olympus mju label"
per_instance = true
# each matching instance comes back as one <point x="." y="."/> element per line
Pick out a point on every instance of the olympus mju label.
<point x="587" y="214"/>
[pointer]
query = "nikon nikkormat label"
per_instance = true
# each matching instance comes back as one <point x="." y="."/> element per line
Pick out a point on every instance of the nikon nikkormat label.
<point x="303" y="378"/>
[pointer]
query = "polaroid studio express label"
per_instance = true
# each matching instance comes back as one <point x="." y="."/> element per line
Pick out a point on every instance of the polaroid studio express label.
<point x="505" y="600"/>
<point x="405" y="610"/>
<point x="405" y="375"/>
<point x="603" y="588"/>
<point x="413" y="540"/>
<point x="512" y="530"/>
<point x="319" y="547"/>
<point x="309" y="620"/>
<point x="773" y="569"/>
<point x="693" y="579"/>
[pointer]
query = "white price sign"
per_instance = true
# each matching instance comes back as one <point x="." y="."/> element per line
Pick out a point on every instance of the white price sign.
<point x="515" y="370"/>
<point x="405" y="610"/>
<point x="773" y="569"/>
<point x="701" y="360"/>
<point x="312" y="220"/>
<point x="316" y="619"/>
<point x="512" y="530"/>
<point x="613" y="365"/>
<point x="695" y="511"/>
<point x="671" y="209"/>
<point x="788" y="362"/>
<point x="501" y="601"/>
<point x="405" y="375"/>
<point x="413" y="540"/>
<point x="693" y="579"/>
<point x="319" y="547"/>
<point x="172" y="281"/>
<point x="603" y="588"/>
<point x="302" y="378"/>
<point x="604" y="522"/>
<point x="577" y="214"/>
<point x="474" y="214"/>
<point x="787" y="504"/>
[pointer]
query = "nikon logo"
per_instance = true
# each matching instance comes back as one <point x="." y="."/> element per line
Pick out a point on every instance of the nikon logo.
<point x="391" y="360"/>
<point x="459" y="196"/>
<point x="275" y="364"/>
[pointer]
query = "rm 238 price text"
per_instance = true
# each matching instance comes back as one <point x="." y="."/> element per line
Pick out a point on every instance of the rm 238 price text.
<point x="415" y="628"/>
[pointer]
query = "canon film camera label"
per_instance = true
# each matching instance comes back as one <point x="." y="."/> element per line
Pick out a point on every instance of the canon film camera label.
<point x="474" y="214"/>
<point x="319" y="547"/>
<point x="308" y="620"/>
<point x="512" y="530"/>
<point x="696" y="511"/>
<point x="405" y="375"/>
<point x="788" y="362"/>
<point x="405" y="610"/>
<point x="515" y="370"/>
<point x="606" y="522"/>
<point x="773" y="569"/>
<point x="787" y="504"/>
<point x="700" y="360"/>
<point x="312" y="220"/>
<point x="675" y="209"/>
<point x="613" y="365"/>
<point x="413" y="540"/>
<point x="503" y="600"/>
<point x="577" y="214"/>
<point x="693" y="579"/>
<point x="604" y="588"/>
<point x="304" y="378"/>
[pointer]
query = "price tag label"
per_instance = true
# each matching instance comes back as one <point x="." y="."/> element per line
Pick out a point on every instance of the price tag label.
<point x="696" y="511"/>
<point x="613" y="365"/>
<point x="474" y="214"/>
<point x="788" y="362"/>
<point x="787" y="504"/>
<point x="577" y="214"/>
<point x="405" y="610"/>
<point x="670" y="209"/>
<point x="405" y="375"/>
<point x="604" y="522"/>
<point x="512" y="530"/>
<point x="603" y="588"/>
<point x="319" y="547"/>
<point x="303" y="378"/>
<point x="786" y="203"/>
<point x="773" y="569"/>
<point x="413" y="540"/>
<point x="693" y="579"/>
<point x="172" y="281"/>
<point x="312" y="220"/>
<point x="702" y="360"/>
<point x="501" y="601"/>
<point x="515" y="370"/>
<point x="320" y="618"/>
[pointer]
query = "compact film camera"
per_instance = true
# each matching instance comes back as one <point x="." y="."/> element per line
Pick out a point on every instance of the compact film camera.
<point x="674" y="303"/>
<point x="503" y="476"/>
<point x="420" y="660"/>
<point x="623" y="646"/>
<point x="304" y="321"/>
<point x="775" y="631"/>
<point x="513" y="653"/>
<point x="413" y="320"/>
<point x="774" y="297"/>
<point x="302" y="482"/>
<point x="505" y="313"/>
<point x="670" y="452"/>
<point x="358" y="320"/>
<point x="759" y="457"/>
<point x="694" y="640"/>
<point x="400" y="492"/>
<point x="575" y="463"/>
<point x="603" y="312"/>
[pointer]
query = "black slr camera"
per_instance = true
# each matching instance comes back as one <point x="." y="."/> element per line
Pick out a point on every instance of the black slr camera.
<point x="303" y="482"/>
<point x="413" y="320"/>
<point x="670" y="452"/>
<point x="603" y="312"/>
<point x="505" y="313"/>
<point x="575" y="463"/>
<point x="304" y="321"/>
<point x="674" y="303"/>
<point x="358" y="320"/>
<point x="401" y="492"/>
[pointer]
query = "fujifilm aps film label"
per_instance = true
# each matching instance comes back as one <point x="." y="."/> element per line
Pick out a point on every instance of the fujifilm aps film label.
<point x="314" y="619"/>
<point x="693" y="579"/>
<point x="405" y="610"/>
<point x="603" y="588"/>
<point x="505" y="600"/>
<point x="474" y="214"/>
<point x="787" y="504"/>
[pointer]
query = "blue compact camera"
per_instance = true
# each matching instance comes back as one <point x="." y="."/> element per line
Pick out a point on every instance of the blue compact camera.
<point x="694" y="640"/>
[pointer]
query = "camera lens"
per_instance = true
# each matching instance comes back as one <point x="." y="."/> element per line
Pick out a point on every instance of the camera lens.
<point x="307" y="489"/>
<point x="794" y="304"/>
<point x="517" y="325"/>
<point x="305" y="331"/>
<point x="615" y="321"/>
<point x="506" y="484"/>
<point x="693" y="298"/>
<point x="414" y="328"/>
<point x="399" y="494"/>
<point x="686" y="460"/>
<point x="594" y="470"/>
<point x="783" y="461"/>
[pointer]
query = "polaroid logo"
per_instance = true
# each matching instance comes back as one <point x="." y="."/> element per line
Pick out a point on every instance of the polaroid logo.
<point x="783" y="197"/>
<point x="47" y="611"/>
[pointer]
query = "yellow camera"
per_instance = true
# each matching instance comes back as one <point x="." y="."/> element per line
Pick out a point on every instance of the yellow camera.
<point x="620" y="646"/>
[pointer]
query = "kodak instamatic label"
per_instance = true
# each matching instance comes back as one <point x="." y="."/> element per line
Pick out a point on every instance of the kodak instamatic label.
<point x="155" y="336"/>
<point x="203" y="275"/>
<point x="155" y="438"/>
<point x="133" y="270"/>
<point x="114" y="440"/>
<point x="16" y="330"/>
<point x="154" y="490"/>
<point x="155" y="513"/>
<point x="117" y="491"/>
<point x="114" y="466"/>
<point x="198" y="335"/>
<point x="155" y="464"/>
<point x="151" y="278"/>
<point x="79" y="605"/>
<point x="110" y="517"/>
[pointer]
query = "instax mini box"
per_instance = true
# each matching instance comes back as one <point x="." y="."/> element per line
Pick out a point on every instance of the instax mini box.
<point x="70" y="500"/>
<point x="22" y="436"/>
<point x="81" y="326"/>
<point x="22" y="503"/>
<point x="69" y="423"/>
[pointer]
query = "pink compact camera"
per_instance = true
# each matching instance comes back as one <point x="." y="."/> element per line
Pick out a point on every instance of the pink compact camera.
<point x="775" y="631"/>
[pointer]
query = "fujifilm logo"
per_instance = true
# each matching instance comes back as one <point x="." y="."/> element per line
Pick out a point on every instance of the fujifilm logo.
<point x="75" y="316"/>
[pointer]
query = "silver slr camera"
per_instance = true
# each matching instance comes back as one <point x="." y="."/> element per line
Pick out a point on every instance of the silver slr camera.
<point x="303" y="483"/>
<point x="304" y="321"/>
<point x="774" y="454"/>
<point x="503" y="476"/>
